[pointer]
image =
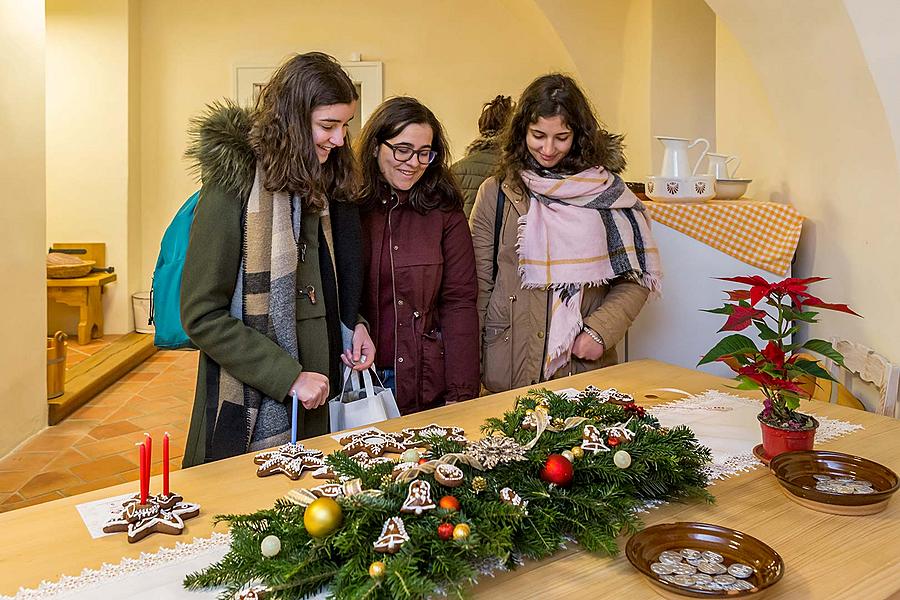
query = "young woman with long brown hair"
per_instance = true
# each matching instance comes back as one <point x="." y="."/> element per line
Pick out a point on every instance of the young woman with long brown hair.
<point x="272" y="278"/>
<point x="420" y="279"/>
<point x="573" y="260"/>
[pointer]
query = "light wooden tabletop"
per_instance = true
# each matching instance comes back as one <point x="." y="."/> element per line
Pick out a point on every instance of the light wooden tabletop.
<point x="825" y="556"/>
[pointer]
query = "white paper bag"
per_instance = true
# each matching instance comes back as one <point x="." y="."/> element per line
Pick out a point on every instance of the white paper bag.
<point x="363" y="404"/>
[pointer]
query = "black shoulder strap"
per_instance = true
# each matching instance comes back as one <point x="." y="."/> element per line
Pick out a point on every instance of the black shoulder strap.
<point x="498" y="226"/>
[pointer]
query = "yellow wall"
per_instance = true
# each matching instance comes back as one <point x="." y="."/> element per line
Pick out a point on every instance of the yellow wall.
<point x="745" y="123"/>
<point x="836" y="141"/>
<point x="453" y="56"/>
<point x="23" y="303"/>
<point x="88" y="173"/>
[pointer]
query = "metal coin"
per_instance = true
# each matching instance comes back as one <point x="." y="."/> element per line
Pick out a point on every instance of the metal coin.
<point x="703" y="578"/>
<point x="683" y="580"/>
<point x="683" y="569"/>
<point x="845" y="480"/>
<point x="739" y="570"/>
<point x="667" y="578"/>
<point x="725" y="579"/>
<point x="696" y="561"/>
<point x="662" y="568"/>
<point x="822" y="477"/>
<point x="711" y="556"/>
<point x="670" y="557"/>
<point x="690" y="553"/>
<point x="863" y="483"/>
<point x="743" y="585"/>
<point x="865" y="489"/>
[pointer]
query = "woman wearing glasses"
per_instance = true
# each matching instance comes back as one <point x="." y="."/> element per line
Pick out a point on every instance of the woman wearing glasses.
<point x="420" y="290"/>
<point x="574" y="260"/>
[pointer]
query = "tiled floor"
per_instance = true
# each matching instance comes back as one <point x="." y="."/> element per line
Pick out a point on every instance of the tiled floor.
<point x="95" y="447"/>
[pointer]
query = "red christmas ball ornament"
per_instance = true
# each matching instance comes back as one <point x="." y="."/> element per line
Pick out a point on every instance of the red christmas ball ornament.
<point x="445" y="531"/>
<point x="558" y="469"/>
<point x="449" y="503"/>
<point x="613" y="441"/>
<point x="422" y="461"/>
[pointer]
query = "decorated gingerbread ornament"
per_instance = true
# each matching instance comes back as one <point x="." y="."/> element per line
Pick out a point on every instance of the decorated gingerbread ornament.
<point x="372" y="443"/>
<point x="289" y="459"/>
<point x="393" y="535"/>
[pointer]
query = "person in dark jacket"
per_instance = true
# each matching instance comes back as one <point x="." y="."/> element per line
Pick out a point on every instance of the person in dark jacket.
<point x="483" y="155"/>
<point x="273" y="241"/>
<point x="420" y="290"/>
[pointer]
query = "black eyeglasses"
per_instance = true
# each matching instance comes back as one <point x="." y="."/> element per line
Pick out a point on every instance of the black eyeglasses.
<point x="404" y="153"/>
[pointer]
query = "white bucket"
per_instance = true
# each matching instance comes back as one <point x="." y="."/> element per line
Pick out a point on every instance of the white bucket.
<point x="140" y="302"/>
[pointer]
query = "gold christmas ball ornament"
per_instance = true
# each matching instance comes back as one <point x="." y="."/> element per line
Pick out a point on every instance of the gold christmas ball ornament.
<point x="569" y="455"/>
<point x="461" y="531"/>
<point x="577" y="452"/>
<point x="376" y="570"/>
<point x="322" y="517"/>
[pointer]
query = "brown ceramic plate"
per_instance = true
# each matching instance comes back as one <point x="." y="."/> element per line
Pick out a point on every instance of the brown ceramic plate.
<point x="644" y="548"/>
<point x="795" y="470"/>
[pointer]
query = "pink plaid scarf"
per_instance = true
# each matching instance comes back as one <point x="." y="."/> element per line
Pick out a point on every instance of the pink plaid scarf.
<point x="584" y="229"/>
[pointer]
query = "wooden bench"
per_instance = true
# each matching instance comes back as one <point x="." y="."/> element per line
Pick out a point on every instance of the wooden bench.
<point x="84" y="293"/>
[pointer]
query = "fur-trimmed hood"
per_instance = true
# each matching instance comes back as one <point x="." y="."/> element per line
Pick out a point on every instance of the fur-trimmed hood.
<point x="220" y="150"/>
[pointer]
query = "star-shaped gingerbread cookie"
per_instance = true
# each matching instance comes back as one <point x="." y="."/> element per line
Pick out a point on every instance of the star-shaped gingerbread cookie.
<point x="289" y="459"/>
<point x="372" y="443"/>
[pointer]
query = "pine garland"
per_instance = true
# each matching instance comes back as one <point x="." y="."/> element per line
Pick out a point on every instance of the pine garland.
<point x="600" y="504"/>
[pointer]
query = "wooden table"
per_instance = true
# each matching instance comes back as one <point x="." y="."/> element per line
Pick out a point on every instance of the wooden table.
<point x="825" y="556"/>
<point x="84" y="293"/>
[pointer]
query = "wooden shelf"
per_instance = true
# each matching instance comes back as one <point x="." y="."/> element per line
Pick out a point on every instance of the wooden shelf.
<point x="99" y="371"/>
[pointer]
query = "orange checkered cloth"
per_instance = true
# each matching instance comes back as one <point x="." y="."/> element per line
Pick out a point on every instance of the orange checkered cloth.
<point x="762" y="234"/>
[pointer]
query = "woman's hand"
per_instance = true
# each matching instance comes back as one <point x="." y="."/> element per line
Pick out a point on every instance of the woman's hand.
<point x="311" y="389"/>
<point x="586" y="348"/>
<point x="362" y="355"/>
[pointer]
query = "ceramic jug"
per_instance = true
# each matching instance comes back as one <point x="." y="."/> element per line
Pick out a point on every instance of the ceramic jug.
<point x="675" y="160"/>
<point x="718" y="165"/>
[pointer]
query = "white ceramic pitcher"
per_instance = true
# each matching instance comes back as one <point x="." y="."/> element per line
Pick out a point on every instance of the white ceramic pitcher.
<point x="675" y="160"/>
<point x="718" y="165"/>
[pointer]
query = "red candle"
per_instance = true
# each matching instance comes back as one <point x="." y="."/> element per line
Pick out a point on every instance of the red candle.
<point x="166" y="464"/>
<point x="143" y="473"/>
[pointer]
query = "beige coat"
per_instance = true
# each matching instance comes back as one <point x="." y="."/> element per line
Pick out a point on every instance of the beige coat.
<point x="514" y="321"/>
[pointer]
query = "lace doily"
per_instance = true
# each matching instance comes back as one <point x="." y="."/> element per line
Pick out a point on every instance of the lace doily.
<point x="90" y="578"/>
<point x="727" y="425"/>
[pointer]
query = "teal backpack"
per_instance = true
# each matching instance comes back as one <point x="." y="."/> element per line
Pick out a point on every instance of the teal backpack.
<point x="165" y="296"/>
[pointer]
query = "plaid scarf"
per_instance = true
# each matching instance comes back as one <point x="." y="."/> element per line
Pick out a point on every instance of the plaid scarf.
<point x="581" y="229"/>
<point x="264" y="299"/>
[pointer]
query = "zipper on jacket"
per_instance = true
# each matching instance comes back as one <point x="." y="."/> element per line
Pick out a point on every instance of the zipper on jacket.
<point x="396" y="200"/>
<point x="512" y="343"/>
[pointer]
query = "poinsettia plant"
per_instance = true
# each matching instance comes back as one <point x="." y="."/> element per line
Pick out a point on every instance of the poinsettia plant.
<point x="776" y="311"/>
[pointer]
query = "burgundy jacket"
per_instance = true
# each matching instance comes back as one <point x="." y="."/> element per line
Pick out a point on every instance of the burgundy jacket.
<point x="434" y="341"/>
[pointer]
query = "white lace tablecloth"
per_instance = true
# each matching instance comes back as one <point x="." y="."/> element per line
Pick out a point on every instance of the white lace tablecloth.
<point x="725" y="423"/>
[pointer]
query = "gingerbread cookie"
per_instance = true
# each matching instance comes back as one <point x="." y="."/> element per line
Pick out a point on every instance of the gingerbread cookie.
<point x="418" y="499"/>
<point x="328" y="490"/>
<point x="140" y="520"/>
<point x="413" y="435"/>
<point x="393" y="535"/>
<point x="289" y="459"/>
<point x="372" y="443"/>
<point x="448" y="475"/>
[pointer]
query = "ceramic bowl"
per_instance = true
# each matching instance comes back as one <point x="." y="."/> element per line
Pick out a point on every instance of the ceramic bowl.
<point x="697" y="188"/>
<point x="797" y="471"/>
<point x="731" y="189"/>
<point x="643" y="549"/>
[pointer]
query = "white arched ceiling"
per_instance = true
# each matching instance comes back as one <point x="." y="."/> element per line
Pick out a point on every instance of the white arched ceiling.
<point x="842" y="170"/>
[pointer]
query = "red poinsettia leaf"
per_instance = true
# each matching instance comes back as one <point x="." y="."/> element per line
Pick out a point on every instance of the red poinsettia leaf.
<point x="746" y="280"/>
<point x="813" y="301"/>
<point x="774" y="354"/>
<point x="735" y="295"/>
<point x="758" y="292"/>
<point x="784" y="384"/>
<point x="741" y="318"/>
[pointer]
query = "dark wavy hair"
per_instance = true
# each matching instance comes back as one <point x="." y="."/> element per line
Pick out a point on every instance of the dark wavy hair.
<point x="437" y="188"/>
<point x="282" y="135"/>
<point x="494" y="115"/>
<point x="549" y="96"/>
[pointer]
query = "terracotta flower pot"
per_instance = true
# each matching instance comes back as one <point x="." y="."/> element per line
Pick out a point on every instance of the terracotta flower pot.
<point x="777" y="440"/>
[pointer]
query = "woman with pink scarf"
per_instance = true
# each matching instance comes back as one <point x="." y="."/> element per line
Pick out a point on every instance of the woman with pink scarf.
<point x="564" y="252"/>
